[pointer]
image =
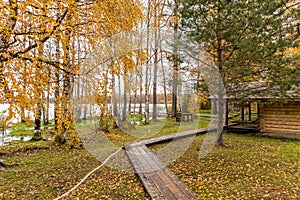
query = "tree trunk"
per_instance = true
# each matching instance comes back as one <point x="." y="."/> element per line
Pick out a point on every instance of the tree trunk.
<point x="220" y="100"/>
<point x="164" y="75"/>
<point x="46" y="113"/>
<point x="66" y="103"/>
<point x="23" y="119"/>
<point x="84" y="85"/>
<point x="57" y="85"/>
<point x="154" y="112"/>
<point x="146" y="114"/>
<point x="37" y="135"/>
<point x="175" y="61"/>
<point x="125" y="98"/>
<point x="79" y="103"/>
<point x="129" y="96"/>
<point x="221" y="109"/>
<point x="141" y="97"/>
<point x="85" y="103"/>
<point x="67" y="79"/>
<point x="114" y="104"/>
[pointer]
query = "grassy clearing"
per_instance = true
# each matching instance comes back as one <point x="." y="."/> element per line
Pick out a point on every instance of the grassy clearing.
<point x="26" y="129"/>
<point x="251" y="167"/>
<point x="21" y="129"/>
<point x="45" y="172"/>
<point x="17" y="148"/>
<point x="205" y="111"/>
<point x="159" y="128"/>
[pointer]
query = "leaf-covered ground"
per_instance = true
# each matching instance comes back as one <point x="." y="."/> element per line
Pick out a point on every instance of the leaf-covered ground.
<point x="251" y="167"/>
<point x="44" y="172"/>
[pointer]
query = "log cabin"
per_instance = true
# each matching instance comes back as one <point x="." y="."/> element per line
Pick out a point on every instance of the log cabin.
<point x="272" y="114"/>
<point x="283" y="118"/>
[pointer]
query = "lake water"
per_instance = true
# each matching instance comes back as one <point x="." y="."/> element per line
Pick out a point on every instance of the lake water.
<point x="80" y="109"/>
<point x="5" y="137"/>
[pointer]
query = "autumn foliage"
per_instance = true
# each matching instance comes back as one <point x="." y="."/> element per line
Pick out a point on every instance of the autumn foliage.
<point x="43" y="45"/>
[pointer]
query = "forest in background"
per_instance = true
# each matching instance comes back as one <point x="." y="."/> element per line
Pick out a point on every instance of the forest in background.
<point x="118" y="54"/>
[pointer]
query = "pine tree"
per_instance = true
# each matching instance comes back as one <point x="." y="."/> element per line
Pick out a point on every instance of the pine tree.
<point x="246" y="39"/>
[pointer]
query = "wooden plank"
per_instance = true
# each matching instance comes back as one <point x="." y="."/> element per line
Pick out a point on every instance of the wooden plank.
<point x="158" y="180"/>
<point x="178" y="189"/>
<point x="152" y="159"/>
<point x="287" y="108"/>
<point x="294" y="105"/>
<point x="282" y="127"/>
<point x="137" y="161"/>
<point x="146" y="178"/>
<point x="146" y="162"/>
<point x="284" y="123"/>
<point x="170" y="185"/>
<point x="150" y="183"/>
<point x="279" y="130"/>
<point x="161" y="185"/>
<point x="282" y="113"/>
<point x="173" y="136"/>
<point x="278" y="120"/>
<point x="281" y="118"/>
<point x="188" y="193"/>
<point x="153" y="180"/>
<point x="168" y="137"/>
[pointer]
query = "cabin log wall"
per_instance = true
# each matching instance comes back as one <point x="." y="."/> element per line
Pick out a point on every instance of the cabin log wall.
<point x="281" y="118"/>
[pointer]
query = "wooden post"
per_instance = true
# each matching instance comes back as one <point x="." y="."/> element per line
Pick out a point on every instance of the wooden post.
<point x="242" y="113"/>
<point x="226" y="114"/>
<point x="258" y="114"/>
<point x="249" y="111"/>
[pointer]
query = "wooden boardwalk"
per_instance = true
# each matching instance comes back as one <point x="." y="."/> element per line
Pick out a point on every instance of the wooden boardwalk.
<point x="157" y="179"/>
<point x="168" y="137"/>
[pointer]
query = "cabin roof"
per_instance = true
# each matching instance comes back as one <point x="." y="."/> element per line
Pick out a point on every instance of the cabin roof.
<point x="259" y="91"/>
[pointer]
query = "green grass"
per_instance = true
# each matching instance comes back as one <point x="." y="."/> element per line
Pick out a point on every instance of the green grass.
<point x="84" y="124"/>
<point x="21" y="133"/>
<point x="205" y="111"/>
<point x="50" y="125"/>
<point x="46" y="174"/>
<point x="251" y="167"/>
<point x="128" y="132"/>
<point x="16" y="147"/>
<point x="25" y="129"/>
<point x="19" y="129"/>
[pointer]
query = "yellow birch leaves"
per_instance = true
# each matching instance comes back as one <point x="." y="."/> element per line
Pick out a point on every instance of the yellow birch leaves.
<point x="39" y="48"/>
